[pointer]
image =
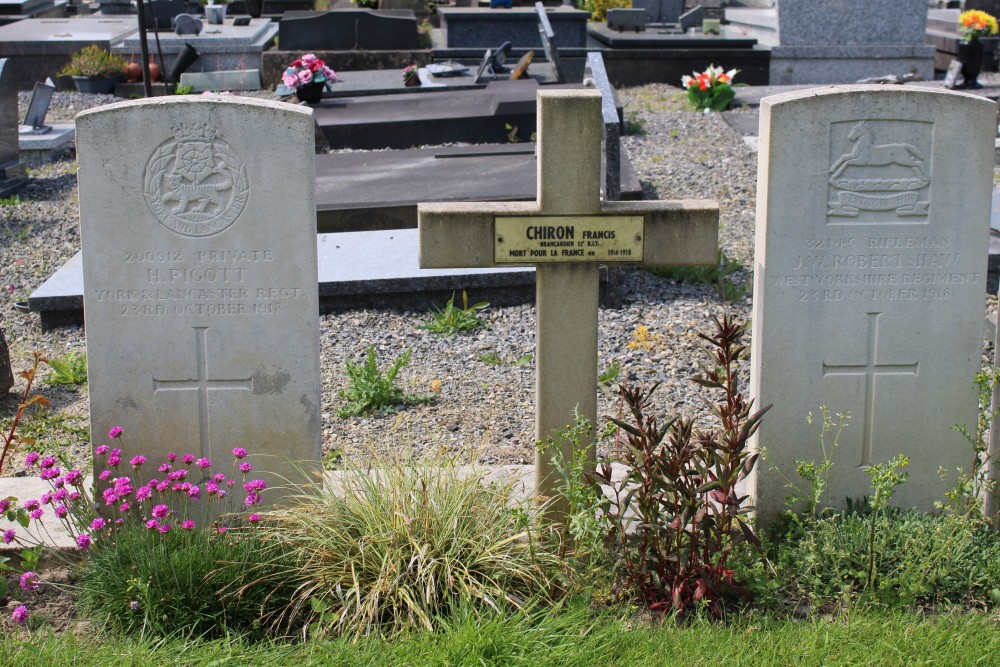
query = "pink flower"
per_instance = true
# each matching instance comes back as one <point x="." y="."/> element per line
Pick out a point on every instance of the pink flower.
<point x="163" y="486"/>
<point x="83" y="542"/>
<point x="177" y="475"/>
<point x="187" y="459"/>
<point x="171" y="457"/>
<point x="61" y="511"/>
<point x="164" y="467"/>
<point x="4" y="506"/>
<point x="152" y="524"/>
<point x="164" y="528"/>
<point x="204" y="462"/>
<point x="74" y="477"/>
<point x="137" y="461"/>
<point x="187" y="525"/>
<point x="8" y="536"/>
<point x="239" y="452"/>
<point x="115" y="432"/>
<point x="222" y="529"/>
<point x="46" y="498"/>
<point x="101" y="450"/>
<point x="49" y="473"/>
<point x="194" y="491"/>
<point x="104" y="475"/>
<point x="245" y="468"/>
<point x="252" y="499"/>
<point x="60" y="495"/>
<point x="74" y="496"/>
<point x="253" y="518"/>
<point x="36" y="514"/>
<point x="143" y="493"/>
<point x="31" y="458"/>
<point x="124" y="507"/>
<point x="98" y="524"/>
<point x="305" y="76"/>
<point x="49" y="461"/>
<point x="161" y="511"/>
<point x="255" y="485"/>
<point x="219" y="477"/>
<point x="20" y="615"/>
<point x="114" y="460"/>
<point x="330" y="75"/>
<point x="289" y="79"/>
<point x="29" y="581"/>
<point x="32" y="504"/>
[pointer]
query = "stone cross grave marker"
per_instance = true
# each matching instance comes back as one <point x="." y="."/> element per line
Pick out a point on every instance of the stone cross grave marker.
<point x="873" y="208"/>
<point x="200" y="280"/>
<point x="566" y="233"/>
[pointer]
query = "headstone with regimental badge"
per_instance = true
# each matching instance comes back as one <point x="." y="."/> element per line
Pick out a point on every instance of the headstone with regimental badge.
<point x="200" y="279"/>
<point x="566" y="234"/>
<point x="870" y="269"/>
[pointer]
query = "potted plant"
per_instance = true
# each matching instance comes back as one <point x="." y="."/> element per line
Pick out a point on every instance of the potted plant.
<point x="95" y="70"/>
<point x="215" y="11"/>
<point x="309" y="76"/>
<point x="972" y="25"/>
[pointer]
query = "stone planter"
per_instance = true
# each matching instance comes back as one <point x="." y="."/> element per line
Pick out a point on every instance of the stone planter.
<point x="98" y="85"/>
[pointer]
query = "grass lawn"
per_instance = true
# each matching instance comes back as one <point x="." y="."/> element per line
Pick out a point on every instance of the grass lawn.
<point x="577" y="638"/>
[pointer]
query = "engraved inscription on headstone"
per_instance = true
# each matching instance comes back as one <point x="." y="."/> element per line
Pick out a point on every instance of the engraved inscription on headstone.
<point x="869" y="278"/>
<point x="200" y="293"/>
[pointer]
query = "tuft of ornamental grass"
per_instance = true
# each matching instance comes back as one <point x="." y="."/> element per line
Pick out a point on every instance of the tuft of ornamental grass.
<point x="181" y="583"/>
<point x="398" y="545"/>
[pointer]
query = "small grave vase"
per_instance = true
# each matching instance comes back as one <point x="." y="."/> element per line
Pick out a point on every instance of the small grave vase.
<point x="215" y="14"/>
<point x="970" y="54"/>
<point x="310" y="93"/>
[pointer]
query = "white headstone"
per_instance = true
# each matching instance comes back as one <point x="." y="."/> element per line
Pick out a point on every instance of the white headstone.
<point x="872" y="233"/>
<point x="200" y="279"/>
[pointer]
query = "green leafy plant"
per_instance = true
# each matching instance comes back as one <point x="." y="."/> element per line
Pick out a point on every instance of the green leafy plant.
<point x="70" y="369"/>
<point x="92" y="60"/>
<point x="599" y="8"/>
<point x="972" y="484"/>
<point x="400" y="543"/>
<point x="494" y="359"/>
<point x="674" y="519"/>
<point x="182" y="89"/>
<point x="719" y="275"/>
<point x="634" y="126"/>
<point x="448" y="321"/>
<point x="370" y="390"/>
<point x="831" y="425"/>
<point x="607" y="377"/>
<point x="512" y="136"/>
<point x="885" y="477"/>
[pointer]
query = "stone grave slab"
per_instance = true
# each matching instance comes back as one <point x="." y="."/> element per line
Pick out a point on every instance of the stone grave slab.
<point x="41" y="47"/>
<point x="12" y="11"/>
<point x="484" y="28"/>
<point x="220" y="47"/>
<point x="201" y="301"/>
<point x="543" y="233"/>
<point x="869" y="277"/>
<point x="347" y="29"/>
<point x="430" y="118"/>
<point x="248" y="79"/>
<point x="13" y="173"/>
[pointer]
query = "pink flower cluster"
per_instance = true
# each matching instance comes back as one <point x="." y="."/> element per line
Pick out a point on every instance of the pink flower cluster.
<point x="308" y="69"/>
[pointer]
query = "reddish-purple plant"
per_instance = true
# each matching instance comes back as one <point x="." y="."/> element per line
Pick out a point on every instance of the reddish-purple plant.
<point x="675" y="519"/>
<point x="11" y="436"/>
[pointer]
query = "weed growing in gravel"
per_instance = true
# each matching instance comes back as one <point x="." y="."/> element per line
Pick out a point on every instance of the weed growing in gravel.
<point x="13" y="200"/>
<point x="70" y="369"/>
<point x="370" y="390"/>
<point x="719" y="275"/>
<point x="494" y="359"/>
<point x="448" y="321"/>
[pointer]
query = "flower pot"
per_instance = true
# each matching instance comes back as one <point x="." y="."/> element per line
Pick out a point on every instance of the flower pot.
<point x="310" y="93"/>
<point x="970" y="54"/>
<point x="215" y="14"/>
<point x="412" y="82"/>
<point x="96" y="85"/>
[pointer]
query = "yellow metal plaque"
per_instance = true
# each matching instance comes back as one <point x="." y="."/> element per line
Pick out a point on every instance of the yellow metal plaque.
<point x="570" y="238"/>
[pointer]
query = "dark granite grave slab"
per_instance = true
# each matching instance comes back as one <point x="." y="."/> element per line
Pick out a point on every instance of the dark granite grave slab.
<point x="638" y="66"/>
<point x="347" y="29"/>
<point x="483" y="28"/>
<point x="431" y="118"/>
<point x="381" y="190"/>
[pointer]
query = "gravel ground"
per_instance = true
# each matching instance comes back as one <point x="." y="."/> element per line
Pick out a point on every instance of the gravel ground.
<point x="483" y="409"/>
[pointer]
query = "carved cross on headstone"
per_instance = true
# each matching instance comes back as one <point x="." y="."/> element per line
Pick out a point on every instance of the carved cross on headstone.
<point x="203" y="384"/>
<point x="567" y="233"/>
<point x="869" y="369"/>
